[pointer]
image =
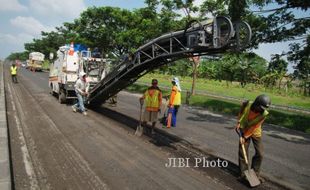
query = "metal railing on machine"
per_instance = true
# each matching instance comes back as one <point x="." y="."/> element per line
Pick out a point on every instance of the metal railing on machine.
<point x="206" y="37"/>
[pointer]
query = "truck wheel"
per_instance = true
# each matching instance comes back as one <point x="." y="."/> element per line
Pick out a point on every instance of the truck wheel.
<point x="52" y="91"/>
<point x="61" y="97"/>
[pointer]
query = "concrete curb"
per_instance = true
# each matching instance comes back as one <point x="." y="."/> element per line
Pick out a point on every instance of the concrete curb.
<point x="5" y="173"/>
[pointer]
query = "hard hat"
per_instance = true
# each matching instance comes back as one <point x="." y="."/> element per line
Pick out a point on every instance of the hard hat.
<point x="82" y="73"/>
<point x="175" y="79"/>
<point x="263" y="101"/>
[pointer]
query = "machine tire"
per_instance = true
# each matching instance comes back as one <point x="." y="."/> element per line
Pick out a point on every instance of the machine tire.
<point x="61" y="97"/>
<point x="52" y="91"/>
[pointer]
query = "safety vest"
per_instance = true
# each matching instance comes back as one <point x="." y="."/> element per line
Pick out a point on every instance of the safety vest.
<point x="13" y="70"/>
<point x="152" y="99"/>
<point x="251" y="126"/>
<point x="177" y="98"/>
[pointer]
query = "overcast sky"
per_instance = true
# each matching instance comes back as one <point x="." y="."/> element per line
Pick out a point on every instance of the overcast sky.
<point x="23" y="20"/>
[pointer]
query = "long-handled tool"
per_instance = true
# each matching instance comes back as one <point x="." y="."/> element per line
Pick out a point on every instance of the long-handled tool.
<point x="139" y="130"/>
<point x="250" y="173"/>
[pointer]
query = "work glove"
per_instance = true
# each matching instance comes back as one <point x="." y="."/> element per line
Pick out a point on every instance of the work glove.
<point x="242" y="140"/>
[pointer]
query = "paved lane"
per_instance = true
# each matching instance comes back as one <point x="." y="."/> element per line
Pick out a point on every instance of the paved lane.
<point x="54" y="148"/>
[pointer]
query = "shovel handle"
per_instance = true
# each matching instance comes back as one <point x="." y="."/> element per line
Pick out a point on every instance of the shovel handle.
<point x="244" y="154"/>
<point x="141" y="107"/>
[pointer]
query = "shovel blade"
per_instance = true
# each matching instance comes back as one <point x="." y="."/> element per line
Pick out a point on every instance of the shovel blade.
<point x="139" y="131"/>
<point x="251" y="177"/>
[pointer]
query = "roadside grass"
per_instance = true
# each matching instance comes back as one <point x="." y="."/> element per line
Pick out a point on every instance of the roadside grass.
<point x="286" y="119"/>
<point x="278" y="97"/>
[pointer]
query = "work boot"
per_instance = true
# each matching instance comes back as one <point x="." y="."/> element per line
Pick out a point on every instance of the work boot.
<point x="74" y="108"/>
<point x="85" y="113"/>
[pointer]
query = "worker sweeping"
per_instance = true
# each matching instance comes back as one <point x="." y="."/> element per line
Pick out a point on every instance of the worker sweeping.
<point x="13" y="70"/>
<point x="174" y="103"/>
<point x="153" y="100"/>
<point x="81" y="90"/>
<point x="249" y="128"/>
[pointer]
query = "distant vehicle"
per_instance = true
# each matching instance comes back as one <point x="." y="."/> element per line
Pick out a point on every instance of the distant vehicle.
<point x="35" y="61"/>
<point x="66" y="68"/>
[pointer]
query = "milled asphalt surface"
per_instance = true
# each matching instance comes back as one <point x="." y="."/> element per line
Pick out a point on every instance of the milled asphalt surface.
<point x="55" y="148"/>
<point x="287" y="152"/>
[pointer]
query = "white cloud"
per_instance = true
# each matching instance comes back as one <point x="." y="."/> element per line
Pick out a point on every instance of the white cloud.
<point x="29" y="25"/>
<point x="13" y="43"/>
<point x="11" y="5"/>
<point x="58" y="8"/>
<point x="16" y="40"/>
<point x="198" y="2"/>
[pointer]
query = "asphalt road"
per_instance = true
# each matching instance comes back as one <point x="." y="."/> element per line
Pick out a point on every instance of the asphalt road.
<point x="287" y="152"/>
<point x="54" y="148"/>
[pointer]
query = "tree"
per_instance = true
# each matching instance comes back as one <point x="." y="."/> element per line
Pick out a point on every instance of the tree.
<point x="18" y="56"/>
<point x="300" y="55"/>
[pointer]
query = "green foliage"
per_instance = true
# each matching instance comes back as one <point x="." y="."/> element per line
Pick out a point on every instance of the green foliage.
<point x="22" y="56"/>
<point x="49" y="43"/>
<point x="117" y="31"/>
<point x="300" y="56"/>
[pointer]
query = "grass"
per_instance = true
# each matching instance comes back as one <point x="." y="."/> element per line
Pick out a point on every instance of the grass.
<point x="294" y="121"/>
<point x="290" y="120"/>
<point x="234" y="90"/>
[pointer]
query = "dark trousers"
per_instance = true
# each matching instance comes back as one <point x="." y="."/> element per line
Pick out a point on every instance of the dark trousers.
<point x="257" y="158"/>
<point x="174" y="115"/>
<point x="14" y="78"/>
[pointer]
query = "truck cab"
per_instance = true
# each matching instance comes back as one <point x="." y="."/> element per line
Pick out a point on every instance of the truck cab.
<point x="66" y="68"/>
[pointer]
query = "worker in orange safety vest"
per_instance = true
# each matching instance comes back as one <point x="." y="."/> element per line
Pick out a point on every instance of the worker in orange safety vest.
<point x="249" y="128"/>
<point x="174" y="103"/>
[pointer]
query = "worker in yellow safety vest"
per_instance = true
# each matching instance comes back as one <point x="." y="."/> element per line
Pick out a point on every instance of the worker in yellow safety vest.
<point x="152" y="98"/>
<point x="13" y="70"/>
<point x="249" y="128"/>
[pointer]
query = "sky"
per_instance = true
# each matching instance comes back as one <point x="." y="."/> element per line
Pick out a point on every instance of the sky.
<point x="23" y="20"/>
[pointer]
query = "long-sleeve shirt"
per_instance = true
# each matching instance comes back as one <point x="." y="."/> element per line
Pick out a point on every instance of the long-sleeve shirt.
<point x="81" y="86"/>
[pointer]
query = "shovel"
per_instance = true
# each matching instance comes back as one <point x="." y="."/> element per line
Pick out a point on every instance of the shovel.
<point x="139" y="130"/>
<point x="250" y="173"/>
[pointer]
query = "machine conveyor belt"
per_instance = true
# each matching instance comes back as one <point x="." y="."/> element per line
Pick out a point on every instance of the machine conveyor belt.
<point x="213" y="36"/>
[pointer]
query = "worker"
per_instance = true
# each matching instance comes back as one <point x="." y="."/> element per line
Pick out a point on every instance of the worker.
<point x="174" y="101"/>
<point x="249" y="128"/>
<point x="153" y="100"/>
<point x="14" y="73"/>
<point x="81" y="90"/>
